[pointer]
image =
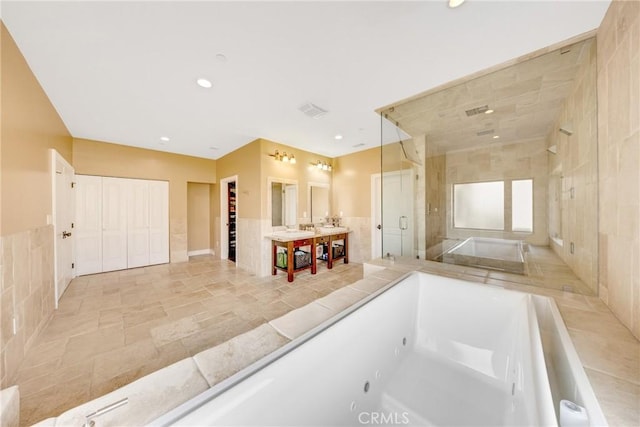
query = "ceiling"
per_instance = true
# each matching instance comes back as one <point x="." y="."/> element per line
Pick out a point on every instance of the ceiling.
<point x="125" y="72"/>
<point x="522" y="103"/>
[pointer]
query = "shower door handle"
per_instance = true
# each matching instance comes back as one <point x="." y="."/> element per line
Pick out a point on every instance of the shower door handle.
<point x="403" y="223"/>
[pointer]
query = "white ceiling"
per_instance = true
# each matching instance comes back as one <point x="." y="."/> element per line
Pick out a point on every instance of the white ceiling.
<point x="125" y="72"/>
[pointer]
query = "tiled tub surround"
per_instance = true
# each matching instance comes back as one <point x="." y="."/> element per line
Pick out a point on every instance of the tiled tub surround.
<point x="27" y="294"/>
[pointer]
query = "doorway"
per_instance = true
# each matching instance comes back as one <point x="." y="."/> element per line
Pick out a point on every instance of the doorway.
<point x="63" y="210"/>
<point x="392" y="212"/>
<point x="228" y="217"/>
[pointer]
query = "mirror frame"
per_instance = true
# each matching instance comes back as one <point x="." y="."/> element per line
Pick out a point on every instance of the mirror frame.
<point x="270" y="181"/>
<point x="310" y="185"/>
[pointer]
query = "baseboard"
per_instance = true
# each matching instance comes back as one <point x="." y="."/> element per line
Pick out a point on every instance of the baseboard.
<point x="201" y="252"/>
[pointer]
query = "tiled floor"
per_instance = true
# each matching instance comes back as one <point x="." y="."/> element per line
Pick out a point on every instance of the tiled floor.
<point x="114" y="328"/>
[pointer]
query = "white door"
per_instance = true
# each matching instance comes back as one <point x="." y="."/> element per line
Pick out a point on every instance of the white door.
<point x="137" y="223"/>
<point x="63" y="219"/>
<point x="114" y="224"/>
<point x="394" y="192"/>
<point x="158" y="222"/>
<point x="88" y="226"/>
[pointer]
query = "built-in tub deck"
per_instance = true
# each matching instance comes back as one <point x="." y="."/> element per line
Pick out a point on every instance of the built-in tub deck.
<point x="496" y="254"/>
<point x="426" y="350"/>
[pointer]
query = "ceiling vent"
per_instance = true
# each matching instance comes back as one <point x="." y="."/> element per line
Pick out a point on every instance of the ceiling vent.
<point x="312" y="110"/>
<point x="477" y="110"/>
<point x="485" y="132"/>
<point x="358" y="145"/>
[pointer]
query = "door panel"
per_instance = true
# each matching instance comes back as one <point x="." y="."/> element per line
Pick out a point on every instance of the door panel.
<point x="63" y="201"/>
<point x="114" y="224"/>
<point x="158" y="222"/>
<point x="138" y="223"/>
<point x="88" y="225"/>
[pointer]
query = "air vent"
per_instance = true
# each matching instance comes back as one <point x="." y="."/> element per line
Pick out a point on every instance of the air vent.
<point x="485" y="132"/>
<point x="312" y="110"/>
<point x="477" y="110"/>
<point x="358" y="145"/>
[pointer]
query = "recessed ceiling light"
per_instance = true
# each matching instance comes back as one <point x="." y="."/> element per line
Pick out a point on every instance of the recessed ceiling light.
<point x="488" y="111"/>
<point x="338" y="137"/>
<point x="455" y="3"/>
<point x="496" y="136"/>
<point x="202" y="82"/>
<point x="164" y="138"/>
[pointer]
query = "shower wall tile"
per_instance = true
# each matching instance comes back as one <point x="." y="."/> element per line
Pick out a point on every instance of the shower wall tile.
<point x="28" y="293"/>
<point x="178" y="240"/>
<point x="498" y="162"/>
<point x="618" y="81"/>
<point x="574" y="210"/>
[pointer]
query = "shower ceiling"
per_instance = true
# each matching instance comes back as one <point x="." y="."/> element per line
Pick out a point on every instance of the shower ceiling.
<point x="526" y="100"/>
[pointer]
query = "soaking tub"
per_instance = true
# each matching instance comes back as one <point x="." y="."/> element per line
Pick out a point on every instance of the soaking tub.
<point x="426" y="350"/>
<point x="485" y="252"/>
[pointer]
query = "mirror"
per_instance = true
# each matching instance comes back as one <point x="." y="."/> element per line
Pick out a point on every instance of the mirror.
<point x="318" y="202"/>
<point x="283" y="197"/>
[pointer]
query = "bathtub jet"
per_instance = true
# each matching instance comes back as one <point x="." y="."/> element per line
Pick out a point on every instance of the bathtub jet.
<point x="425" y="350"/>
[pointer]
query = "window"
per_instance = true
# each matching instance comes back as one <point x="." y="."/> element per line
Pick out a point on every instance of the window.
<point x="522" y="205"/>
<point x="479" y="205"/>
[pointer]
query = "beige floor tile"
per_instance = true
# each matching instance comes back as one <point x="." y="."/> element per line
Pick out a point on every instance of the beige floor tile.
<point x="619" y="399"/>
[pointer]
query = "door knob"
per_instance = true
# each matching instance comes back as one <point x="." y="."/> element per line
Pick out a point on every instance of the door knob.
<point x="379" y="227"/>
<point x="66" y="234"/>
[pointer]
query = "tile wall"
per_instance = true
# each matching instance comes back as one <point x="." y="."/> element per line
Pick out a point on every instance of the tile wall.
<point x="497" y="162"/>
<point x="573" y="180"/>
<point x="27" y="294"/>
<point x="618" y="77"/>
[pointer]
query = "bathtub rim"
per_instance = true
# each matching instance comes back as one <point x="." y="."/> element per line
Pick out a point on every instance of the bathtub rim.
<point x="195" y="403"/>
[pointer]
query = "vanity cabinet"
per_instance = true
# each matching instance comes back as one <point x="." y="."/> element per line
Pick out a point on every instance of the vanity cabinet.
<point x="293" y="256"/>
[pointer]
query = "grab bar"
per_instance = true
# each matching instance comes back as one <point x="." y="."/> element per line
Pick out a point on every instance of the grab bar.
<point x="89" y="418"/>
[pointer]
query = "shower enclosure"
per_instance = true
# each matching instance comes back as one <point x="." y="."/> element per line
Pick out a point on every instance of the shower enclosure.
<point x="507" y="156"/>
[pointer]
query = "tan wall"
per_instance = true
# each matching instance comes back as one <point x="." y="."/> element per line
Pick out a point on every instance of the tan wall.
<point x="573" y="183"/>
<point x="198" y="217"/>
<point x="618" y="160"/>
<point x="245" y="163"/>
<point x="105" y="159"/>
<point x="352" y="182"/>
<point x="30" y="127"/>
<point x="302" y="171"/>
<point x="510" y="161"/>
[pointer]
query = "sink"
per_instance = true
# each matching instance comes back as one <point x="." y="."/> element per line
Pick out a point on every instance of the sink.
<point x="293" y="234"/>
<point x="332" y="230"/>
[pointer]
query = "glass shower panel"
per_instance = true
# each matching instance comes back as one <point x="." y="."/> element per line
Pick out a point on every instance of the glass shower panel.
<point x="399" y="158"/>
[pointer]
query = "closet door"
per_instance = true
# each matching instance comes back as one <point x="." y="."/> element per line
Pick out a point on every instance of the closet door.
<point x="114" y="224"/>
<point x="138" y="222"/>
<point x="158" y="222"/>
<point x="88" y="226"/>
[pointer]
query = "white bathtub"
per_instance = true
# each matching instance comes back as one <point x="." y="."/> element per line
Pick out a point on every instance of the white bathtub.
<point x="426" y="350"/>
<point x="486" y="252"/>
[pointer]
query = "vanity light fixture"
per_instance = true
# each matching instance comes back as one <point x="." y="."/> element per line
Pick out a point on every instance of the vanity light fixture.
<point x="324" y="166"/>
<point x="284" y="157"/>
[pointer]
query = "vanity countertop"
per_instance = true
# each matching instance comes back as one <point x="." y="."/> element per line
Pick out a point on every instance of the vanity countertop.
<point x="288" y="236"/>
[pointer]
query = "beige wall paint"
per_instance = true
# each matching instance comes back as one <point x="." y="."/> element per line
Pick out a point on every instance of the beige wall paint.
<point x="573" y="210"/>
<point x="198" y="217"/>
<point x="106" y="159"/>
<point x="618" y="61"/>
<point x="30" y="127"/>
<point x="245" y="164"/>
<point x="352" y="182"/>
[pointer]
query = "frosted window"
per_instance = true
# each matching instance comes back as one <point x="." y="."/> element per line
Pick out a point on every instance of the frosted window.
<point x="479" y="205"/>
<point x="522" y="205"/>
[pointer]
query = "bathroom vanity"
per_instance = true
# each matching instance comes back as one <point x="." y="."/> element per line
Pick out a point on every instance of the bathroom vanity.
<point x="298" y="250"/>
